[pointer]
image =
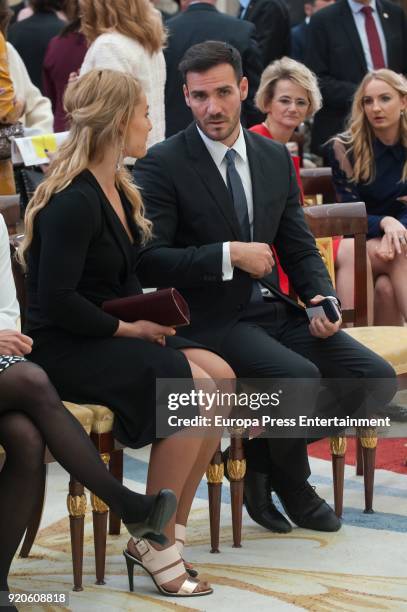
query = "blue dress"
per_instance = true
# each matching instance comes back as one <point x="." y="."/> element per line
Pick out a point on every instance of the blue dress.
<point x="380" y="195"/>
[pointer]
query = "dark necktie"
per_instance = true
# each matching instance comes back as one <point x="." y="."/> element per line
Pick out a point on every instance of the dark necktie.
<point x="236" y="190"/>
<point x="372" y="34"/>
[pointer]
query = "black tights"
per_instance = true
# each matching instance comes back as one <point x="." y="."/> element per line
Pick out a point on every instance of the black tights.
<point x="32" y="416"/>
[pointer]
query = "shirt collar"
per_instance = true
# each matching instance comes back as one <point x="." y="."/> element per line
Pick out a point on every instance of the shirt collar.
<point x="356" y="7"/>
<point x="218" y="150"/>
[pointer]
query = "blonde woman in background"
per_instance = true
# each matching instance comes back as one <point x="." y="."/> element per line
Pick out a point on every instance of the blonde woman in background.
<point x="369" y="163"/>
<point x="128" y="35"/>
<point x="288" y="94"/>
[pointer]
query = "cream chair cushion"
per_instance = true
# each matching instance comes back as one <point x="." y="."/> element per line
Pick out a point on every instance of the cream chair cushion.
<point x="103" y="418"/>
<point x="81" y="414"/>
<point x="388" y="342"/>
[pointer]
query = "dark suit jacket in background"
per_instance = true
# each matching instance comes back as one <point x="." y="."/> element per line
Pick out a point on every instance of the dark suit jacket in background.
<point x="31" y="37"/>
<point x="201" y="22"/>
<point x="272" y="22"/>
<point x="335" y="54"/>
<point x="298" y="41"/>
<point x="193" y="214"/>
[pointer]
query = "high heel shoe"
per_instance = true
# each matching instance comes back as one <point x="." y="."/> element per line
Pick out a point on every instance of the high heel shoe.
<point x="162" y="566"/>
<point x="163" y="508"/>
<point x="180" y="533"/>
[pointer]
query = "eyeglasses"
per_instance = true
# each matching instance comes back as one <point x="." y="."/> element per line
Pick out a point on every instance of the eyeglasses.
<point x="299" y="102"/>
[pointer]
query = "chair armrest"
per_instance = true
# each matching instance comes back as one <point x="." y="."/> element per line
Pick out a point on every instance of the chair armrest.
<point x="337" y="219"/>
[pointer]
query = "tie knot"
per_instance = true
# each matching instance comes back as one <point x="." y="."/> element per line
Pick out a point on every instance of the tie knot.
<point x="367" y="10"/>
<point x="230" y="156"/>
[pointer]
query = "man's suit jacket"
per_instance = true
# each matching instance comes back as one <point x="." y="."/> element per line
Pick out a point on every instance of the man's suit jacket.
<point x="298" y="41"/>
<point x="272" y="22"/>
<point x="201" y="22"/>
<point x="193" y="214"/>
<point x="334" y="52"/>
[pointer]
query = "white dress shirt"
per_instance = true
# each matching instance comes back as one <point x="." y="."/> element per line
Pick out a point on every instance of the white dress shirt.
<point x="217" y="150"/>
<point x="359" y="17"/>
<point x="9" y="309"/>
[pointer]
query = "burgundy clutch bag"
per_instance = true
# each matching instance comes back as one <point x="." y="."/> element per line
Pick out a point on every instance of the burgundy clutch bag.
<point x="165" y="306"/>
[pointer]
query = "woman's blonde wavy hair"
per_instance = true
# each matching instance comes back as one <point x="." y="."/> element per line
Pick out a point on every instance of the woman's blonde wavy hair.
<point x="288" y="69"/>
<point x="137" y="19"/>
<point x="100" y="106"/>
<point x="358" y="138"/>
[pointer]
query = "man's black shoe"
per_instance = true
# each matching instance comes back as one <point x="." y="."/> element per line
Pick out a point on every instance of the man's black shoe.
<point x="258" y="501"/>
<point x="306" y="509"/>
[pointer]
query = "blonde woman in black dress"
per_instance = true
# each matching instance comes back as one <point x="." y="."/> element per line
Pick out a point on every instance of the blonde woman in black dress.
<point x="32" y="416"/>
<point x="83" y="229"/>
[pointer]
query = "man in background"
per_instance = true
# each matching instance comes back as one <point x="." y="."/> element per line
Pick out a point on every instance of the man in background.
<point x="201" y="21"/>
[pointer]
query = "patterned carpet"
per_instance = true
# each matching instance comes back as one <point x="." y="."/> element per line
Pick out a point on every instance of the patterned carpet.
<point x="361" y="567"/>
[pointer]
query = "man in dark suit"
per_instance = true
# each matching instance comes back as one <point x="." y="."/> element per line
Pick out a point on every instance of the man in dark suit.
<point x="272" y="22"/>
<point x="219" y="197"/>
<point x="340" y="53"/>
<point x="199" y="22"/>
<point x="299" y="32"/>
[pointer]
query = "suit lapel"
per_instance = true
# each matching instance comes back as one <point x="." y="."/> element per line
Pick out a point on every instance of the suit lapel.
<point x="206" y="168"/>
<point x="388" y="31"/>
<point x="348" y="24"/>
<point x="115" y="226"/>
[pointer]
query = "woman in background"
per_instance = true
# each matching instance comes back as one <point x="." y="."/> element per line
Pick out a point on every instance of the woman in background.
<point x="128" y="35"/>
<point x="64" y="55"/>
<point x="369" y="164"/>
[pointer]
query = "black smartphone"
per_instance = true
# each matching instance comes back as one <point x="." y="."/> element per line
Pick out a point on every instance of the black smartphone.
<point x="327" y="308"/>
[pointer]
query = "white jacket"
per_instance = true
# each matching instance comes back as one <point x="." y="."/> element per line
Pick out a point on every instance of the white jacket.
<point x="115" y="51"/>
<point x="38" y="111"/>
<point x="9" y="309"/>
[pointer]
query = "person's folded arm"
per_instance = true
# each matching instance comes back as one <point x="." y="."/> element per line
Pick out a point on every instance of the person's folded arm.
<point x="9" y="309"/>
<point x="67" y="227"/>
<point x="296" y="248"/>
<point x="162" y="262"/>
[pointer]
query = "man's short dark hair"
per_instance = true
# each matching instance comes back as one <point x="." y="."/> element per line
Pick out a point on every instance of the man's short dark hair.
<point x="206" y="55"/>
<point x="46" y="6"/>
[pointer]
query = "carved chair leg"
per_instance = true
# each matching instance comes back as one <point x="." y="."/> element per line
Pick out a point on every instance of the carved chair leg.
<point x="359" y="458"/>
<point x="100" y="514"/>
<point x="35" y="521"/>
<point x="76" y="502"/>
<point x="214" y="476"/>
<point x="338" y="450"/>
<point x="236" y="470"/>
<point x="368" y="440"/>
<point x="115" y="468"/>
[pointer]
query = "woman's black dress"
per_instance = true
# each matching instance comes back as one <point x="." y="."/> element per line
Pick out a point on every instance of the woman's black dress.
<point x="81" y="256"/>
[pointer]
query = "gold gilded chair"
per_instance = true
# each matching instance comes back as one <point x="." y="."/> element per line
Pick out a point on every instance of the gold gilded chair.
<point x="388" y="342"/>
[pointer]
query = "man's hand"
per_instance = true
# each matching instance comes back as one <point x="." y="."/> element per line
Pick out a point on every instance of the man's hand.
<point x="394" y="239"/>
<point x="256" y="258"/>
<point x="321" y="327"/>
<point x="13" y="342"/>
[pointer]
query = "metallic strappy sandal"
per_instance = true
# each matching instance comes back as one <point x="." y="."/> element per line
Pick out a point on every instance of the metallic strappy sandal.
<point x="163" y="566"/>
<point x="180" y="533"/>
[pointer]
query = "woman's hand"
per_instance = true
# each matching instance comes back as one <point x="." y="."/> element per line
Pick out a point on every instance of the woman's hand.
<point x="394" y="239"/>
<point x="147" y="330"/>
<point x="13" y="342"/>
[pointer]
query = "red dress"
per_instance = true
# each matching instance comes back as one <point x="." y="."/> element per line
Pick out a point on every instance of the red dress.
<point x="282" y="276"/>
